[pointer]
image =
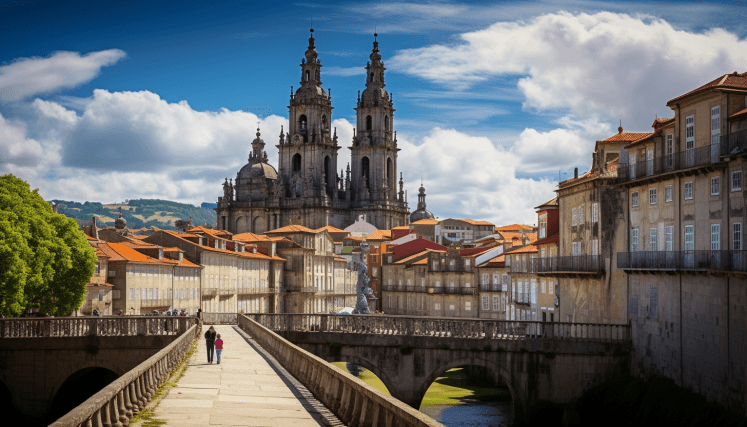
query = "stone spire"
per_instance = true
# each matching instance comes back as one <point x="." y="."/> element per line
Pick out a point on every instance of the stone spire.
<point x="258" y="146"/>
<point x="375" y="68"/>
<point x="310" y="65"/>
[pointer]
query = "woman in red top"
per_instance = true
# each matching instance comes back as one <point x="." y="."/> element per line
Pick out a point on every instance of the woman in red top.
<point x="218" y="347"/>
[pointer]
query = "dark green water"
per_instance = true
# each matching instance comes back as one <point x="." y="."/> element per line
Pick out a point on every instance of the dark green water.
<point x="488" y="414"/>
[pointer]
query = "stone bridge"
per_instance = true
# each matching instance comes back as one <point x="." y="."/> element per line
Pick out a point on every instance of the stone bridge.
<point x="546" y="366"/>
<point x="48" y="366"/>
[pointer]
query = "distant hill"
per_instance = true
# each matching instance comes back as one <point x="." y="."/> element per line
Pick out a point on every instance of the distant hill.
<point x="138" y="213"/>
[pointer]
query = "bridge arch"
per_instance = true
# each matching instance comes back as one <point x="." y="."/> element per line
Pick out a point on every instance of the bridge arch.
<point x="77" y="388"/>
<point x="500" y="372"/>
<point x="363" y="363"/>
<point x="7" y="406"/>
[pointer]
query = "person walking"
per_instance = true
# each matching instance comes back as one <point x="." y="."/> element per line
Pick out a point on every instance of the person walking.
<point x="218" y="347"/>
<point x="210" y="342"/>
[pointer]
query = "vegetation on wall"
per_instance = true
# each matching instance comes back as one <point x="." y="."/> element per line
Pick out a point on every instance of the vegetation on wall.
<point x="45" y="260"/>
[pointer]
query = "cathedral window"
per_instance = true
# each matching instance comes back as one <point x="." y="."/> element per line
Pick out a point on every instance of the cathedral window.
<point x="364" y="170"/>
<point x="386" y="124"/>
<point x="372" y="77"/>
<point x="324" y="121"/>
<point x="296" y="163"/>
<point x="302" y="122"/>
<point x="368" y="123"/>
<point x="308" y="75"/>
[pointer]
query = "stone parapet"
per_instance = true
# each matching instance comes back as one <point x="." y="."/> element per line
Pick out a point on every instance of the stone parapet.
<point x="119" y="401"/>
<point x="96" y="326"/>
<point x="353" y="401"/>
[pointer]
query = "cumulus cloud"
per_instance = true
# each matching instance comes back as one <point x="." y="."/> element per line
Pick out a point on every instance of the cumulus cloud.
<point x="605" y="64"/>
<point x="469" y="176"/>
<point x="26" y="77"/>
<point x="15" y="147"/>
<point x="344" y="71"/>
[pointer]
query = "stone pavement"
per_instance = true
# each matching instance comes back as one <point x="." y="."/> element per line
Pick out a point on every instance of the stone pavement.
<point x="248" y="388"/>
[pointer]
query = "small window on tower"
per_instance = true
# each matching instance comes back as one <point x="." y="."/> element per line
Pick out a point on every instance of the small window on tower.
<point x="372" y="77"/>
<point x="308" y="75"/>
<point x="368" y="123"/>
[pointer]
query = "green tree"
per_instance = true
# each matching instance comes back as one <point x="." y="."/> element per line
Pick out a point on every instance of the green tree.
<point x="45" y="261"/>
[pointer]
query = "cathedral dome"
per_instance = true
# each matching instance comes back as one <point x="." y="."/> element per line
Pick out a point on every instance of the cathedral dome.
<point x="258" y="170"/>
<point x="120" y="223"/>
<point x="371" y="93"/>
<point x="310" y="91"/>
<point x="418" y="215"/>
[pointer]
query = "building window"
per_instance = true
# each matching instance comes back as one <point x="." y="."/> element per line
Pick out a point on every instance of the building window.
<point x="715" y="124"/>
<point x="669" y="156"/>
<point x="576" y="248"/>
<point x="653" y="309"/>
<point x="543" y="286"/>
<point x="466" y="263"/>
<point x="634" y="239"/>
<point x="595" y="247"/>
<point x="688" y="191"/>
<point x="715" y="237"/>
<point x="714" y="186"/>
<point x="652" y="246"/>
<point x="543" y="225"/>
<point x="495" y="279"/>
<point x="485" y="278"/>
<point x="634" y="199"/>
<point x="736" y="180"/>
<point x="689" y="237"/>
<point x="437" y="306"/>
<point x="574" y="217"/>
<point x="486" y="302"/>
<point x="668" y="194"/>
<point x="651" y="196"/>
<point x="737" y="235"/>
<point x="595" y="212"/>
<point x="668" y="235"/>
<point x="581" y="214"/>
<point x="452" y="307"/>
<point x="496" y="302"/>
<point x="550" y="289"/>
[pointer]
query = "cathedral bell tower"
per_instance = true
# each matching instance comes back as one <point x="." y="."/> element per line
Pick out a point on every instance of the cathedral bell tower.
<point x="308" y="152"/>
<point x="374" y="150"/>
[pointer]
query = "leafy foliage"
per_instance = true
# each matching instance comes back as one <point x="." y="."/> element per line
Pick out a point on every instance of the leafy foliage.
<point x="156" y="212"/>
<point x="45" y="261"/>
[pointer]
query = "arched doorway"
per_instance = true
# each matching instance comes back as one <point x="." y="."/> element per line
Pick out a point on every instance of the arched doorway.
<point x="296" y="162"/>
<point x="77" y="388"/>
<point x="365" y="164"/>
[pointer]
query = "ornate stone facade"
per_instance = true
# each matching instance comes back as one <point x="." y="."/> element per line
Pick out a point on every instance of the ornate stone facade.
<point x="306" y="189"/>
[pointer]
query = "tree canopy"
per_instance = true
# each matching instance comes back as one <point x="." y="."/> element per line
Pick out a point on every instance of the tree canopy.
<point x="45" y="261"/>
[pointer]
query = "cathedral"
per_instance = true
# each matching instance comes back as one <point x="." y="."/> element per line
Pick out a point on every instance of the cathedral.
<point x="306" y="189"/>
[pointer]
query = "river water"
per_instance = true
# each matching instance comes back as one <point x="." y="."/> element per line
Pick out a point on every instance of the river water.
<point x="482" y="414"/>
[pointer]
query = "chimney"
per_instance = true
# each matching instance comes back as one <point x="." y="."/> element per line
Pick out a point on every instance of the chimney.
<point x="94" y="228"/>
<point x="575" y="173"/>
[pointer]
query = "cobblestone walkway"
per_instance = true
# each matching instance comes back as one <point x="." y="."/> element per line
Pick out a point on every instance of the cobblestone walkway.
<point x="248" y="388"/>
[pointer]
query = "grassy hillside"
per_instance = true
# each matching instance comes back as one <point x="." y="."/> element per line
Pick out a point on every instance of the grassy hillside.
<point x="138" y="213"/>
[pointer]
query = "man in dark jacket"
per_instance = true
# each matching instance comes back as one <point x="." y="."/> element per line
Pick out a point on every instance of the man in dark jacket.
<point x="210" y="343"/>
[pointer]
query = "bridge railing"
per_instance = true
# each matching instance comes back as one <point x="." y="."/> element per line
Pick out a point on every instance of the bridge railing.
<point x="130" y="393"/>
<point x="219" y="318"/>
<point x="443" y="327"/>
<point x="353" y="401"/>
<point x="85" y="326"/>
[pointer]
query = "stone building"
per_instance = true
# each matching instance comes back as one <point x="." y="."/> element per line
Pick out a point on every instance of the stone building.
<point x="592" y="218"/>
<point x="306" y="188"/>
<point x="235" y="279"/>
<point x="681" y="255"/>
<point x="142" y="283"/>
<point x="463" y="231"/>
<point x="316" y="279"/>
<point x="523" y="289"/>
<point x="99" y="292"/>
<point x="547" y="244"/>
<point x="495" y="279"/>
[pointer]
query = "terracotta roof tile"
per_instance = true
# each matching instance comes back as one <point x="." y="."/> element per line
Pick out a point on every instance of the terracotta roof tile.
<point x="291" y="229"/>
<point x="411" y="257"/>
<point x="402" y="227"/>
<point x="659" y="122"/>
<point x="644" y="138"/>
<point x="330" y="229"/>
<point x="553" y="202"/>
<point x="733" y="116"/>
<point x="129" y="254"/>
<point x="425" y="221"/>
<point x="513" y="227"/>
<point x="475" y="222"/>
<point x="510" y="235"/>
<point x="523" y="250"/>
<point x="251" y="237"/>
<point x="341" y="259"/>
<point x="225" y="251"/>
<point x="380" y="235"/>
<point x="626" y="137"/>
<point x="423" y="261"/>
<point x="734" y="81"/>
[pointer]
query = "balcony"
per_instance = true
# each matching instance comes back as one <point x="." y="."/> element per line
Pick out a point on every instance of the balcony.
<point x="209" y="292"/>
<point x="683" y="261"/>
<point x="735" y="143"/>
<point x="521" y="299"/>
<point x="528" y="266"/>
<point x="161" y="302"/>
<point x="688" y="162"/>
<point x="487" y="287"/>
<point x="570" y="265"/>
<point x="226" y="292"/>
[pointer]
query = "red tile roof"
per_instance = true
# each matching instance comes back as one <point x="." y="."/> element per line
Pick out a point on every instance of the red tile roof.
<point x="498" y="261"/>
<point x="402" y="227"/>
<point x="330" y="229"/>
<point x="291" y="229"/>
<point x="732" y="81"/>
<point x="425" y="221"/>
<point x="554" y="238"/>
<point x="225" y="251"/>
<point x="220" y="234"/>
<point x="553" y="202"/>
<point x="419" y="254"/>
<point x="471" y="252"/>
<point x="523" y="250"/>
<point x="659" y="123"/>
<point x="514" y="227"/>
<point x="626" y="137"/>
<point x="126" y="253"/>
<point x="475" y="222"/>
<point x="380" y="235"/>
<point x="733" y="116"/>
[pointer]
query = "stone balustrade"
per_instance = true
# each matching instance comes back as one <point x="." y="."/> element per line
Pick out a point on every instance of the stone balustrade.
<point x="353" y="401"/>
<point x="119" y="401"/>
<point x="443" y="327"/>
<point x="219" y="318"/>
<point x="85" y="326"/>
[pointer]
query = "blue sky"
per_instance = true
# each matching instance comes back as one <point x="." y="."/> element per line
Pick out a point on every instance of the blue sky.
<point x="109" y="101"/>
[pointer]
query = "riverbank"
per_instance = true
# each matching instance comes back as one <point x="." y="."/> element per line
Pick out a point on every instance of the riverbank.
<point x="453" y="388"/>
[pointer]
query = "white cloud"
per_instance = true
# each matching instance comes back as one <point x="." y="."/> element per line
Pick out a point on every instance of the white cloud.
<point x="470" y="177"/>
<point x="605" y="64"/>
<point x="15" y="147"/>
<point x="344" y="72"/>
<point x="26" y="77"/>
